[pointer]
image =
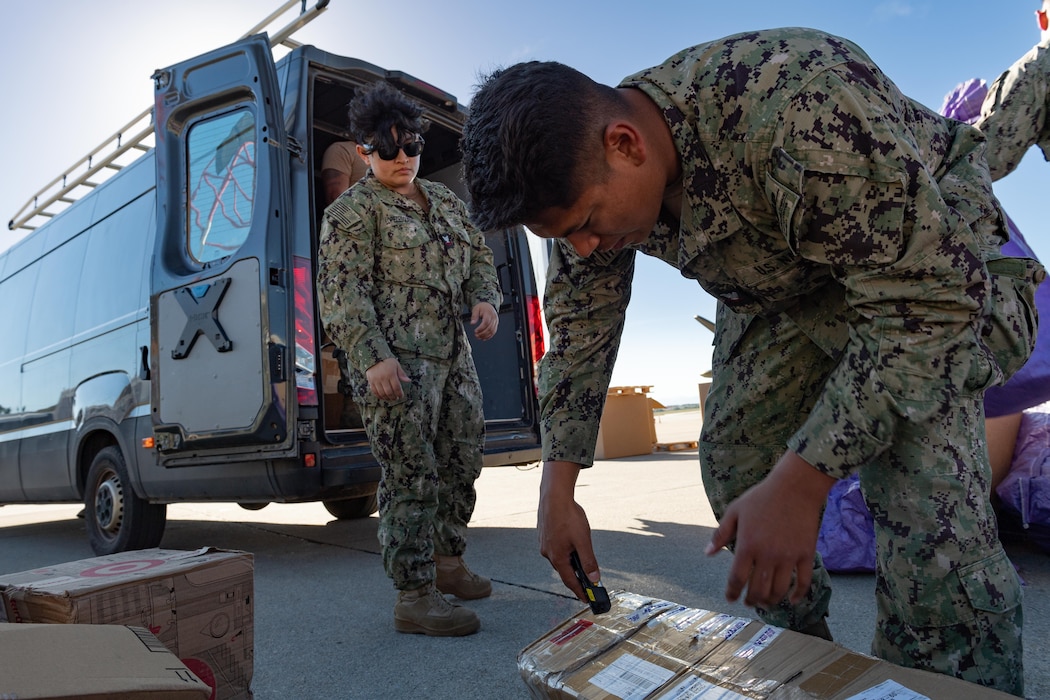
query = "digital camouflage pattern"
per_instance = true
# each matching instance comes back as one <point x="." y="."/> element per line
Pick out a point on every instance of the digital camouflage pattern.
<point x="386" y="279"/>
<point x="1014" y="116"/>
<point x="390" y="286"/>
<point x="850" y="236"/>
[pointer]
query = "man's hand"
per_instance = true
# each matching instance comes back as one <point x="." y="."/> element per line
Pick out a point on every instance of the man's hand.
<point x="385" y="378"/>
<point x="775" y="525"/>
<point x="563" y="526"/>
<point x="486" y="320"/>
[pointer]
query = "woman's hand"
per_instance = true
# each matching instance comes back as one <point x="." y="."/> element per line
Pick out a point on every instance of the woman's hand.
<point x="385" y="378"/>
<point x="485" y="319"/>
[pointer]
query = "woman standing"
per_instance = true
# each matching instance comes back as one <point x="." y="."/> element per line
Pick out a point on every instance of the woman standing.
<point x="398" y="261"/>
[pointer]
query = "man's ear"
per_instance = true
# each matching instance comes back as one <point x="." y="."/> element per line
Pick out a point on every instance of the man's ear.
<point x="624" y="142"/>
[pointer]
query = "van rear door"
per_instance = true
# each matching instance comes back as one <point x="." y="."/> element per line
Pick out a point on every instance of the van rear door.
<point x="219" y="302"/>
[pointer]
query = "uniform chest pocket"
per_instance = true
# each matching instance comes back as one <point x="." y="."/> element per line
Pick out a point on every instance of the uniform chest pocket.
<point x="403" y="255"/>
<point x="400" y="233"/>
<point x="838" y="208"/>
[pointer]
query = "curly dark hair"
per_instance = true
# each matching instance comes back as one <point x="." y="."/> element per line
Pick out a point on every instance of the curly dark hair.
<point x="376" y="108"/>
<point x="530" y="137"/>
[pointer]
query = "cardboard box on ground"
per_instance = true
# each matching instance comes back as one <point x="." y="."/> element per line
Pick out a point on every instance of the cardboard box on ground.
<point x="627" y="427"/>
<point x="91" y="662"/>
<point x="646" y="648"/>
<point x="199" y="604"/>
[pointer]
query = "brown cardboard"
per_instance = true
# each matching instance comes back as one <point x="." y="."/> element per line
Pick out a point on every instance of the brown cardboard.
<point x="582" y="637"/>
<point x="198" y="603"/>
<point x="854" y="673"/>
<point x="688" y="635"/>
<point x="89" y="662"/>
<point x="624" y="671"/>
<point x="703" y="388"/>
<point x="627" y="427"/>
<point x="763" y="658"/>
<point x="655" y="649"/>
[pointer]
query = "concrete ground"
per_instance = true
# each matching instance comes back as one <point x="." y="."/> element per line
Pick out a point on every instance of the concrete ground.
<point x="323" y="607"/>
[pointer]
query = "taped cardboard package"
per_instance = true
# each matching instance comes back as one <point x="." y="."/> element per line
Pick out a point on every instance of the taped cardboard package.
<point x="650" y="648"/>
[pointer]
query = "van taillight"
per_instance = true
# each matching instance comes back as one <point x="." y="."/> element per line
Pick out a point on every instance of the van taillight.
<point x="535" y="311"/>
<point x="305" y="350"/>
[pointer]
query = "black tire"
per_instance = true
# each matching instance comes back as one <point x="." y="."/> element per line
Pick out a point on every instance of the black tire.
<point x="353" y="508"/>
<point x="254" y="506"/>
<point x="117" y="520"/>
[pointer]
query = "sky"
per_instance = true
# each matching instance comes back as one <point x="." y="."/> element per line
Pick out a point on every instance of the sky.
<point x="74" y="72"/>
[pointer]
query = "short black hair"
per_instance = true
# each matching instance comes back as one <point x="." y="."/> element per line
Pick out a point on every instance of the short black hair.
<point x="529" y="129"/>
<point x="376" y="108"/>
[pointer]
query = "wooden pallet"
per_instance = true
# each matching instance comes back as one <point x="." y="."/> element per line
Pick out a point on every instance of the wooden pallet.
<point x="675" y="446"/>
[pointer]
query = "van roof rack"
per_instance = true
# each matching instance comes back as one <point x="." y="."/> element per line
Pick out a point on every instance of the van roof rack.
<point x="108" y="157"/>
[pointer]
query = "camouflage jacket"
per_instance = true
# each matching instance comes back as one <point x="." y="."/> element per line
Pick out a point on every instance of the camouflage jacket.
<point x="388" y="281"/>
<point x="812" y="187"/>
<point x="1014" y="113"/>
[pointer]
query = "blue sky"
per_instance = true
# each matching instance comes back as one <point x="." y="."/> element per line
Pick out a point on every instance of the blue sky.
<point x="76" y="71"/>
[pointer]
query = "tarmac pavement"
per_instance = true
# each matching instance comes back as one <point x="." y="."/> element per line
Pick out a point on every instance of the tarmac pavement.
<point x="324" y="608"/>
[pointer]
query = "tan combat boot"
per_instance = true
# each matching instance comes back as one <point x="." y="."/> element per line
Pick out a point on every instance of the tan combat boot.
<point x="454" y="578"/>
<point x="426" y="611"/>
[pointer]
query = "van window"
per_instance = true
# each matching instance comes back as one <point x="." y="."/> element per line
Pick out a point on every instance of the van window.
<point x="221" y="157"/>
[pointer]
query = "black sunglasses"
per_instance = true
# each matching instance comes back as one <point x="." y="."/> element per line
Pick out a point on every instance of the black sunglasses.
<point x="388" y="151"/>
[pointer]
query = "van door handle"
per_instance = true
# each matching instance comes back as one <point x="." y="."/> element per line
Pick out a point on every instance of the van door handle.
<point x="144" y="370"/>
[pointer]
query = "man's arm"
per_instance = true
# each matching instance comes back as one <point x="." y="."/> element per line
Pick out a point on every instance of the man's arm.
<point x="584" y="305"/>
<point x="1014" y="113"/>
<point x="562" y="524"/>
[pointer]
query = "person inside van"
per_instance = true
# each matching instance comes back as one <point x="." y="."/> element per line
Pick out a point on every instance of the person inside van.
<point x="340" y="168"/>
<point x="398" y="261"/>
<point x="852" y="240"/>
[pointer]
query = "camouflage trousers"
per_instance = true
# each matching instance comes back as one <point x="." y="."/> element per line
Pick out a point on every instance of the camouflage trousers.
<point x="948" y="598"/>
<point x="429" y="445"/>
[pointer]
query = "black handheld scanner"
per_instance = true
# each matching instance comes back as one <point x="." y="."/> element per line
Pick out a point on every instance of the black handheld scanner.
<point x="597" y="597"/>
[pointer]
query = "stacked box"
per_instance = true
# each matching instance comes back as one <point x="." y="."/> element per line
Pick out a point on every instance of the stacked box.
<point x="627" y="427"/>
<point x="91" y="662"/>
<point x="199" y="604"/>
<point x="644" y="648"/>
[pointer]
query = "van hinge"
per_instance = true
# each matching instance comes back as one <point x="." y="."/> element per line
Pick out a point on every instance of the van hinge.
<point x="292" y="146"/>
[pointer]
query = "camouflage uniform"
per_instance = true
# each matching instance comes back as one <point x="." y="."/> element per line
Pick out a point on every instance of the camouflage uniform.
<point x="850" y="236"/>
<point x="1014" y="114"/>
<point x="391" y="286"/>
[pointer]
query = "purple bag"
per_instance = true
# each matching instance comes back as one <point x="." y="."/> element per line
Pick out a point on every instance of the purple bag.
<point x="846" y="540"/>
<point x="1025" y="490"/>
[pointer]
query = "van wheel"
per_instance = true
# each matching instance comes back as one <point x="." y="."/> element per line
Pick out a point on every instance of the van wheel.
<point x="351" y="508"/>
<point x="118" y="520"/>
<point x="254" y="506"/>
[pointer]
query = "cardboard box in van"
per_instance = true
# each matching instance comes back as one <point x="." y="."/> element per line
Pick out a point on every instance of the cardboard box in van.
<point x="92" y="662"/>
<point x="647" y="648"/>
<point x="199" y="604"/>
